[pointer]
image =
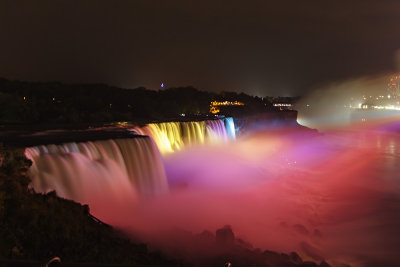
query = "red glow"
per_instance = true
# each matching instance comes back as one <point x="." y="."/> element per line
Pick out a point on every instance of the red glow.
<point x="335" y="195"/>
<point x="268" y="186"/>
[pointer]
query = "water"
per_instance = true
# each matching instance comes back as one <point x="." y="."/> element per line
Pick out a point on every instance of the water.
<point x="230" y="127"/>
<point x="334" y="196"/>
<point x="103" y="174"/>
<point x="116" y="173"/>
<point x="174" y="136"/>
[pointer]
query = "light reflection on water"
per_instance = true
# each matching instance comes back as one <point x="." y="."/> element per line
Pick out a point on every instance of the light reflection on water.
<point x="334" y="197"/>
<point x="342" y="187"/>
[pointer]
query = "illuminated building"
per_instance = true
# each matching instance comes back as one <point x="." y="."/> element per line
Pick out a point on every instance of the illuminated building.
<point x="215" y="105"/>
<point x="283" y="106"/>
<point x="383" y="104"/>
<point x="394" y="86"/>
<point x="214" y="110"/>
<point x="389" y="100"/>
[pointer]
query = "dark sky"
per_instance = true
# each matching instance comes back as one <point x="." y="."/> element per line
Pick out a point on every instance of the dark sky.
<point x="259" y="47"/>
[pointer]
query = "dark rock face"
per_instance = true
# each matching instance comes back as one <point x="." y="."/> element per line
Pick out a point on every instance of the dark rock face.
<point x="308" y="264"/>
<point x="295" y="257"/>
<point x="225" y="236"/>
<point x="207" y="249"/>
<point x="272" y="255"/>
<point x="312" y="251"/>
<point x="324" y="264"/>
<point x="40" y="226"/>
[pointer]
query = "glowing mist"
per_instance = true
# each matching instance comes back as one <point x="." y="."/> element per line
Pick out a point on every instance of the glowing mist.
<point x="334" y="196"/>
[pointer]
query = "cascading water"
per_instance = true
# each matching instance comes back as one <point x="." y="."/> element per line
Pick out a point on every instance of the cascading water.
<point x="77" y="170"/>
<point x="167" y="135"/>
<point x="284" y="190"/>
<point x="230" y="127"/>
<point x="173" y="136"/>
<point x="113" y="175"/>
<point x="216" y="131"/>
<point x="130" y="166"/>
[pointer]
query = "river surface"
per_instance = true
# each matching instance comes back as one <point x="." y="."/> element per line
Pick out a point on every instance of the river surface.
<point x="334" y="196"/>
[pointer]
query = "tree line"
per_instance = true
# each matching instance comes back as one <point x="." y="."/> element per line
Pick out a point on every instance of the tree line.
<point x="55" y="102"/>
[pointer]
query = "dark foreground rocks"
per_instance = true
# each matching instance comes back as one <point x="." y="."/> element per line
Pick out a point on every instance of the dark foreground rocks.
<point x="222" y="248"/>
<point x="37" y="227"/>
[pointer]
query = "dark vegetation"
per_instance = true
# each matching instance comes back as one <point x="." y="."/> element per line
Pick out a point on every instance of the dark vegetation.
<point x="41" y="226"/>
<point x="54" y="102"/>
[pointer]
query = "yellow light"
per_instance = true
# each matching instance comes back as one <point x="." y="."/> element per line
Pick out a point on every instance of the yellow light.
<point x="173" y="136"/>
<point x="214" y="110"/>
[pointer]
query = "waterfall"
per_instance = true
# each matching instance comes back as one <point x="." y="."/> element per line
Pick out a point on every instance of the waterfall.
<point x="109" y="171"/>
<point x="216" y="131"/>
<point x="167" y="135"/>
<point x="81" y="171"/>
<point x="174" y="136"/>
<point x="230" y="127"/>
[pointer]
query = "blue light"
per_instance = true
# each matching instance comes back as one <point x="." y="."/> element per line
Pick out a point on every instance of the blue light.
<point x="230" y="127"/>
<point x="162" y="85"/>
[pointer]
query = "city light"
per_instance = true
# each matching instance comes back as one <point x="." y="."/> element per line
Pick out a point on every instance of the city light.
<point x="215" y="104"/>
<point x="383" y="100"/>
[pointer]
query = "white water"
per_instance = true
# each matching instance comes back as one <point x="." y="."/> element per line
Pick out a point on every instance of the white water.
<point x="174" y="136"/>
<point x="333" y="197"/>
<point x="104" y="174"/>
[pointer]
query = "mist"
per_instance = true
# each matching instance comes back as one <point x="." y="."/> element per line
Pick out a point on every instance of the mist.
<point x="329" y="198"/>
<point x="330" y="106"/>
<point x="332" y="197"/>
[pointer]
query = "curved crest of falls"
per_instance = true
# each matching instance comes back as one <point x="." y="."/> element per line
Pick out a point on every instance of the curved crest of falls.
<point x="173" y="136"/>
<point x="130" y="166"/>
<point x="81" y="171"/>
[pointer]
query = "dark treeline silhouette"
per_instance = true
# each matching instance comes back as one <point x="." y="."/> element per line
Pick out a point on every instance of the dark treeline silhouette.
<point x="54" y="102"/>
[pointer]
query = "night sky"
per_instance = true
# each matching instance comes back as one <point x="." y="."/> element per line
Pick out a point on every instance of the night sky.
<point x="258" y="47"/>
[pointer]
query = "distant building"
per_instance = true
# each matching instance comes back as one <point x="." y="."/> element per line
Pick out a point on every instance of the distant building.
<point x="394" y="86"/>
<point x="283" y="106"/>
<point x="215" y="106"/>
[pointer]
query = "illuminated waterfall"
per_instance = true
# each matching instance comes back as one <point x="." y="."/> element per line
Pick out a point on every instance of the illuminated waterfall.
<point x="109" y="171"/>
<point x="216" y="131"/>
<point x="81" y="171"/>
<point x="173" y="136"/>
<point x="230" y="127"/>
<point x="167" y="135"/>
